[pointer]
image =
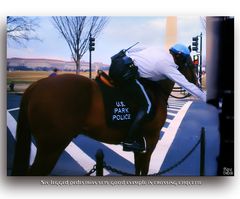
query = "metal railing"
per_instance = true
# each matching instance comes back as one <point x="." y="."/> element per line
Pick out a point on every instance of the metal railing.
<point x="183" y="92"/>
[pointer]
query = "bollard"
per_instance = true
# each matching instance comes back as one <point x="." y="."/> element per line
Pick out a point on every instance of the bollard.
<point x="202" y="152"/>
<point x="99" y="162"/>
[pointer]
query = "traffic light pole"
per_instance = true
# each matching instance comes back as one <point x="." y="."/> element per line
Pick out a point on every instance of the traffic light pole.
<point x="199" y="52"/>
<point x="90" y="64"/>
<point x="200" y="61"/>
<point x="91" y="48"/>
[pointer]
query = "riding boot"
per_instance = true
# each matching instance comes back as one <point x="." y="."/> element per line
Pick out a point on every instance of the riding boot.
<point x="134" y="141"/>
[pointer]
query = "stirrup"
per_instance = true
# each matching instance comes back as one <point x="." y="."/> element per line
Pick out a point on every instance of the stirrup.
<point x="135" y="146"/>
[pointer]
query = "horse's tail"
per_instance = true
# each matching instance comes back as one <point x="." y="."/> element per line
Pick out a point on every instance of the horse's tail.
<point x="23" y="141"/>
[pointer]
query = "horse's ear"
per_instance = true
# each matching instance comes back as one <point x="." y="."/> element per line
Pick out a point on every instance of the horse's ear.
<point x="190" y="48"/>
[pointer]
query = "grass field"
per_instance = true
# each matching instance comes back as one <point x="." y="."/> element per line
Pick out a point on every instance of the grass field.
<point x="22" y="79"/>
<point x="32" y="76"/>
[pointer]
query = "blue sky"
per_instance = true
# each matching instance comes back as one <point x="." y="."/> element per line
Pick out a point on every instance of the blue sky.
<point x="119" y="33"/>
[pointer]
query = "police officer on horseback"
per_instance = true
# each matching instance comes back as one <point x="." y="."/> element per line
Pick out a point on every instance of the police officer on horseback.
<point x="154" y="64"/>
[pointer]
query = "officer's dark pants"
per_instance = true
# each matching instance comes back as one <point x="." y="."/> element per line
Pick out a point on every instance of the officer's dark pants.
<point x="137" y="92"/>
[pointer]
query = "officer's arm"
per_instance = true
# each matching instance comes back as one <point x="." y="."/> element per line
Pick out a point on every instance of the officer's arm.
<point x="177" y="77"/>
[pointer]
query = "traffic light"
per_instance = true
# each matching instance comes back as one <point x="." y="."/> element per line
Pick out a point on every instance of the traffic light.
<point x="91" y="43"/>
<point x="195" y="59"/>
<point x="195" y="43"/>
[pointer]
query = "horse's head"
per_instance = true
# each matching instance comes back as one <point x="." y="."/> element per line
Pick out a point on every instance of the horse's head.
<point x="187" y="68"/>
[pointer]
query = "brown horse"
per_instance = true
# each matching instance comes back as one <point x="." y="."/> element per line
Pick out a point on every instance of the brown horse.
<point x="55" y="110"/>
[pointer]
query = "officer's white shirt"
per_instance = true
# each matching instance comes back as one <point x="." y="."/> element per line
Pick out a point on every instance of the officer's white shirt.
<point x="156" y="64"/>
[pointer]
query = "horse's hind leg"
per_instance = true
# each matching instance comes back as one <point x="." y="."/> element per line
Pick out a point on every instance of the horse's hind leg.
<point x="43" y="164"/>
<point x="46" y="158"/>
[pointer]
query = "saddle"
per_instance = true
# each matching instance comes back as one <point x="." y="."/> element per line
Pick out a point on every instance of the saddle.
<point x="120" y="109"/>
<point x="103" y="78"/>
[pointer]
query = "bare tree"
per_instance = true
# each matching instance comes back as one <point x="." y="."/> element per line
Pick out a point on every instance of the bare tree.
<point x="21" y="29"/>
<point x="76" y="31"/>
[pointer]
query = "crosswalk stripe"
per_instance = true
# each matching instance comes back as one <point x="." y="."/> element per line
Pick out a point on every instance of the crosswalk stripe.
<point x="164" y="129"/>
<point x="85" y="161"/>
<point x="173" y="109"/>
<point x="118" y="149"/>
<point x="172" y="114"/>
<point x="168" y="120"/>
<point x="12" y="126"/>
<point x="175" y="105"/>
<point x="13" y="109"/>
<point x="164" y="144"/>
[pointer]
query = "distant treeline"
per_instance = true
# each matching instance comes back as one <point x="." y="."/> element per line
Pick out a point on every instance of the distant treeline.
<point x="25" y="68"/>
<point x="41" y="68"/>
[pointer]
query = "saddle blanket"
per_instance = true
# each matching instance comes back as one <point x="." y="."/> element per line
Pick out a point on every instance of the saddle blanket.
<point x="120" y="109"/>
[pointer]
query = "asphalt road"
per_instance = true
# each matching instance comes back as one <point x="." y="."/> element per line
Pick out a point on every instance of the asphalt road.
<point x="178" y="137"/>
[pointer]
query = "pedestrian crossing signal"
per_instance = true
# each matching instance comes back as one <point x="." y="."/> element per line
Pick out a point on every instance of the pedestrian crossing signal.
<point x="195" y="59"/>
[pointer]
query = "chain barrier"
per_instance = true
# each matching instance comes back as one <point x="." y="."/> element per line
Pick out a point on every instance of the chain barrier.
<point x="114" y="170"/>
<point x="91" y="171"/>
<point x="179" y="162"/>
